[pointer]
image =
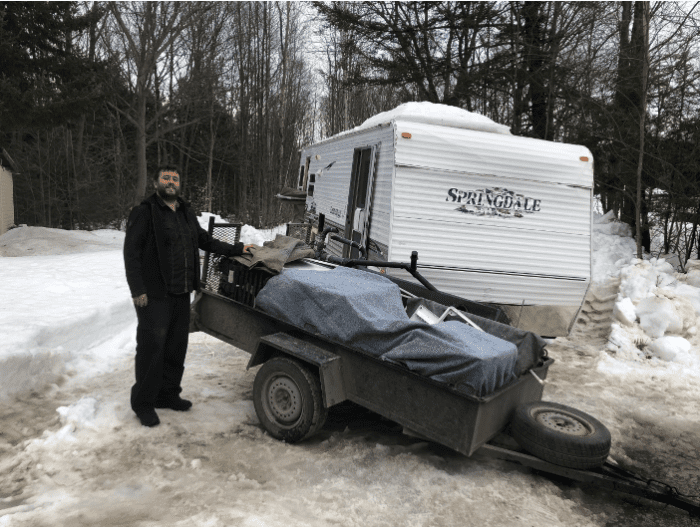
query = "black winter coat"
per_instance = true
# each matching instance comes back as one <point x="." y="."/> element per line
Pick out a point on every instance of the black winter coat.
<point x="145" y="258"/>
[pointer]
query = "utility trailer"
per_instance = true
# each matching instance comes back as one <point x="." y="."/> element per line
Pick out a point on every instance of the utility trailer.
<point x="303" y="374"/>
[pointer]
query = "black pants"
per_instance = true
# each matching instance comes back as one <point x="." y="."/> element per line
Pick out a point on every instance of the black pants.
<point x="161" y="346"/>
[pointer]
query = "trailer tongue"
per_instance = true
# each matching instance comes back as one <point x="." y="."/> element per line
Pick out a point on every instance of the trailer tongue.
<point x="305" y="371"/>
<point x="608" y="476"/>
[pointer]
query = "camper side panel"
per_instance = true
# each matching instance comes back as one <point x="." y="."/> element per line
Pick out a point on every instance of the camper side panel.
<point x="549" y="235"/>
<point x="496" y="218"/>
<point x="331" y="164"/>
<point x="456" y="149"/>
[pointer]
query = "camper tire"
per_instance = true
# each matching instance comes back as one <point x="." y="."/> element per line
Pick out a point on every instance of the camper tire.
<point x="561" y="435"/>
<point x="288" y="400"/>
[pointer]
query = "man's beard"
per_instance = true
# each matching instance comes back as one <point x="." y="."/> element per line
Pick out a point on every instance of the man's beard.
<point x="168" y="197"/>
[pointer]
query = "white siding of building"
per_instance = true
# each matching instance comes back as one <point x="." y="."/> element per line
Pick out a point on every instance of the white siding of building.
<point x="7" y="211"/>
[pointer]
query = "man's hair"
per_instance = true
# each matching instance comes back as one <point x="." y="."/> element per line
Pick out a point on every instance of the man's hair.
<point x="164" y="168"/>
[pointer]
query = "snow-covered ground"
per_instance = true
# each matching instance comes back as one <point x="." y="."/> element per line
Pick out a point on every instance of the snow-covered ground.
<point x="73" y="453"/>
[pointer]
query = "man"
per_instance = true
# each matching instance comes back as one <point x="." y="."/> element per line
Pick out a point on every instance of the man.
<point x="161" y="257"/>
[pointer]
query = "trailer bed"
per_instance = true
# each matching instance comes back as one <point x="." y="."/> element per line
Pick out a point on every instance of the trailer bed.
<point x="432" y="409"/>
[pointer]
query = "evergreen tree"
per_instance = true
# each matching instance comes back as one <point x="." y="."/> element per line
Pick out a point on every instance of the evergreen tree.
<point x="42" y="79"/>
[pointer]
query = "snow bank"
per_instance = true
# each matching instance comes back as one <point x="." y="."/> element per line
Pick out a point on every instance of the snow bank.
<point x="60" y="310"/>
<point x="66" y="309"/>
<point x="655" y="315"/>
<point x="33" y="241"/>
<point x="612" y="246"/>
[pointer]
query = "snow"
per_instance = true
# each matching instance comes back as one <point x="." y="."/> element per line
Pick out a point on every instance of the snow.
<point x="73" y="453"/>
<point x="612" y="246"/>
<point x="438" y="114"/>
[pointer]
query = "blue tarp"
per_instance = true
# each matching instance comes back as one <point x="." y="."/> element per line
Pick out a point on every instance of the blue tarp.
<point x="364" y="311"/>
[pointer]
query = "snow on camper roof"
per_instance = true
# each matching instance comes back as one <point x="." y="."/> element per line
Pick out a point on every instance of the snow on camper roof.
<point x="439" y="114"/>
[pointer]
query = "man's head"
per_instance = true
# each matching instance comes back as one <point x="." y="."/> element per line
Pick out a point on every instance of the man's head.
<point x="166" y="181"/>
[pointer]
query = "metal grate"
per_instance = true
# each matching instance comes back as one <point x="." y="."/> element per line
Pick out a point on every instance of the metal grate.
<point x="240" y="283"/>
<point x="211" y="274"/>
<point x="300" y="231"/>
<point x="227" y="277"/>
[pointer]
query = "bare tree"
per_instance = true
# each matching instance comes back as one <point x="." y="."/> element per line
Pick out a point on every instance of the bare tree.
<point x="144" y="31"/>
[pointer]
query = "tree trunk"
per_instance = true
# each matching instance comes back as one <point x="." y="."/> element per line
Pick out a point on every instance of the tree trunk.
<point x="142" y="164"/>
<point x="643" y="18"/>
<point x="42" y="204"/>
<point x="210" y="165"/>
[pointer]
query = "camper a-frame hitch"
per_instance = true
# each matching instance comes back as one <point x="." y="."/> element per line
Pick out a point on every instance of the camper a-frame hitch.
<point x="347" y="262"/>
<point x="321" y="254"/>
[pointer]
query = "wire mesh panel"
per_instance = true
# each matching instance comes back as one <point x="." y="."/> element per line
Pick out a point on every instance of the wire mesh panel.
<point x="300" y="231"/>
<point x="211" y="273"/>
<point x="227" y="232"/>
<point x="240" y="283"/>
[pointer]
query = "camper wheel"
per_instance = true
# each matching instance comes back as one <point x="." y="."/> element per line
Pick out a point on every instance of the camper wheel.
<point x="561" y="435"/>
<point x="288" y="400"/>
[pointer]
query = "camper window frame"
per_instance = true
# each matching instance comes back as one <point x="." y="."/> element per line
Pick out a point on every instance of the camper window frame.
<point x="303" y="181"/>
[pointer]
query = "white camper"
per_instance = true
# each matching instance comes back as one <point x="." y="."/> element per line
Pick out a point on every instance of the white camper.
<point x="495" y="218"/>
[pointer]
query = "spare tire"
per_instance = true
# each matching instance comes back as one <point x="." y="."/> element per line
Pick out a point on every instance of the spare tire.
<point x="561" y="435"/>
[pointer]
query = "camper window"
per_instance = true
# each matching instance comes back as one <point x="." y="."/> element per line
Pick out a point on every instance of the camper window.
<point x="303" y="171"/>
<point x="300" y="183"/>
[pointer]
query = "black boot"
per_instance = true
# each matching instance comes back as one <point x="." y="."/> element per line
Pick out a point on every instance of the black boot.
<point x="174" y="403"/>
<point x="148" y="417"/>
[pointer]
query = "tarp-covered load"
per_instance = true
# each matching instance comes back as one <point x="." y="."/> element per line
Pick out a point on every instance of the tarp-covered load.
<point x="365" y="311"/>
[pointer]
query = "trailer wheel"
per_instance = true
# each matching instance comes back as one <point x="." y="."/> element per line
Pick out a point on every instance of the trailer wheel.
<point x="561" y="435"/>
<point x="288" y="400"/>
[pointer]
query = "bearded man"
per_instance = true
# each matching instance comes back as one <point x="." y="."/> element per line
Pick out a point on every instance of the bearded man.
<point x="161" y="258"/>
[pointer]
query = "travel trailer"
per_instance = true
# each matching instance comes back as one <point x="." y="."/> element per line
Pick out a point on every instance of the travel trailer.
<point x="495" y="218"/>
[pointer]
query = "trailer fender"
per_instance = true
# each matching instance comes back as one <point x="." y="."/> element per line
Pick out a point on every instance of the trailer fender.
<point x="326" y="362"/>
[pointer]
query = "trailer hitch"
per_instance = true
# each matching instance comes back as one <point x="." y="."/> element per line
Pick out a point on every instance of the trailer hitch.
<point x="610" y="476"/>
<point x="321" y="254"/>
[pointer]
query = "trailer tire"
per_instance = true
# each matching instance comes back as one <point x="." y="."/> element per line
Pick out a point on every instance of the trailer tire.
<point x="288" y="400"/>
<point x="561" y="435"/>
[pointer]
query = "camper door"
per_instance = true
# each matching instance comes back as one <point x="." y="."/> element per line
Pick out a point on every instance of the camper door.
<point x="359" y="198"/>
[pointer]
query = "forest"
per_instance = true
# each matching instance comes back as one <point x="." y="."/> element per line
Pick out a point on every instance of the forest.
<point x="95" y="95"/>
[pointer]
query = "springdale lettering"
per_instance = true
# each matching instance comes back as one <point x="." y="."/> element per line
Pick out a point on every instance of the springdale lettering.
<point x="493" y="202"/>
